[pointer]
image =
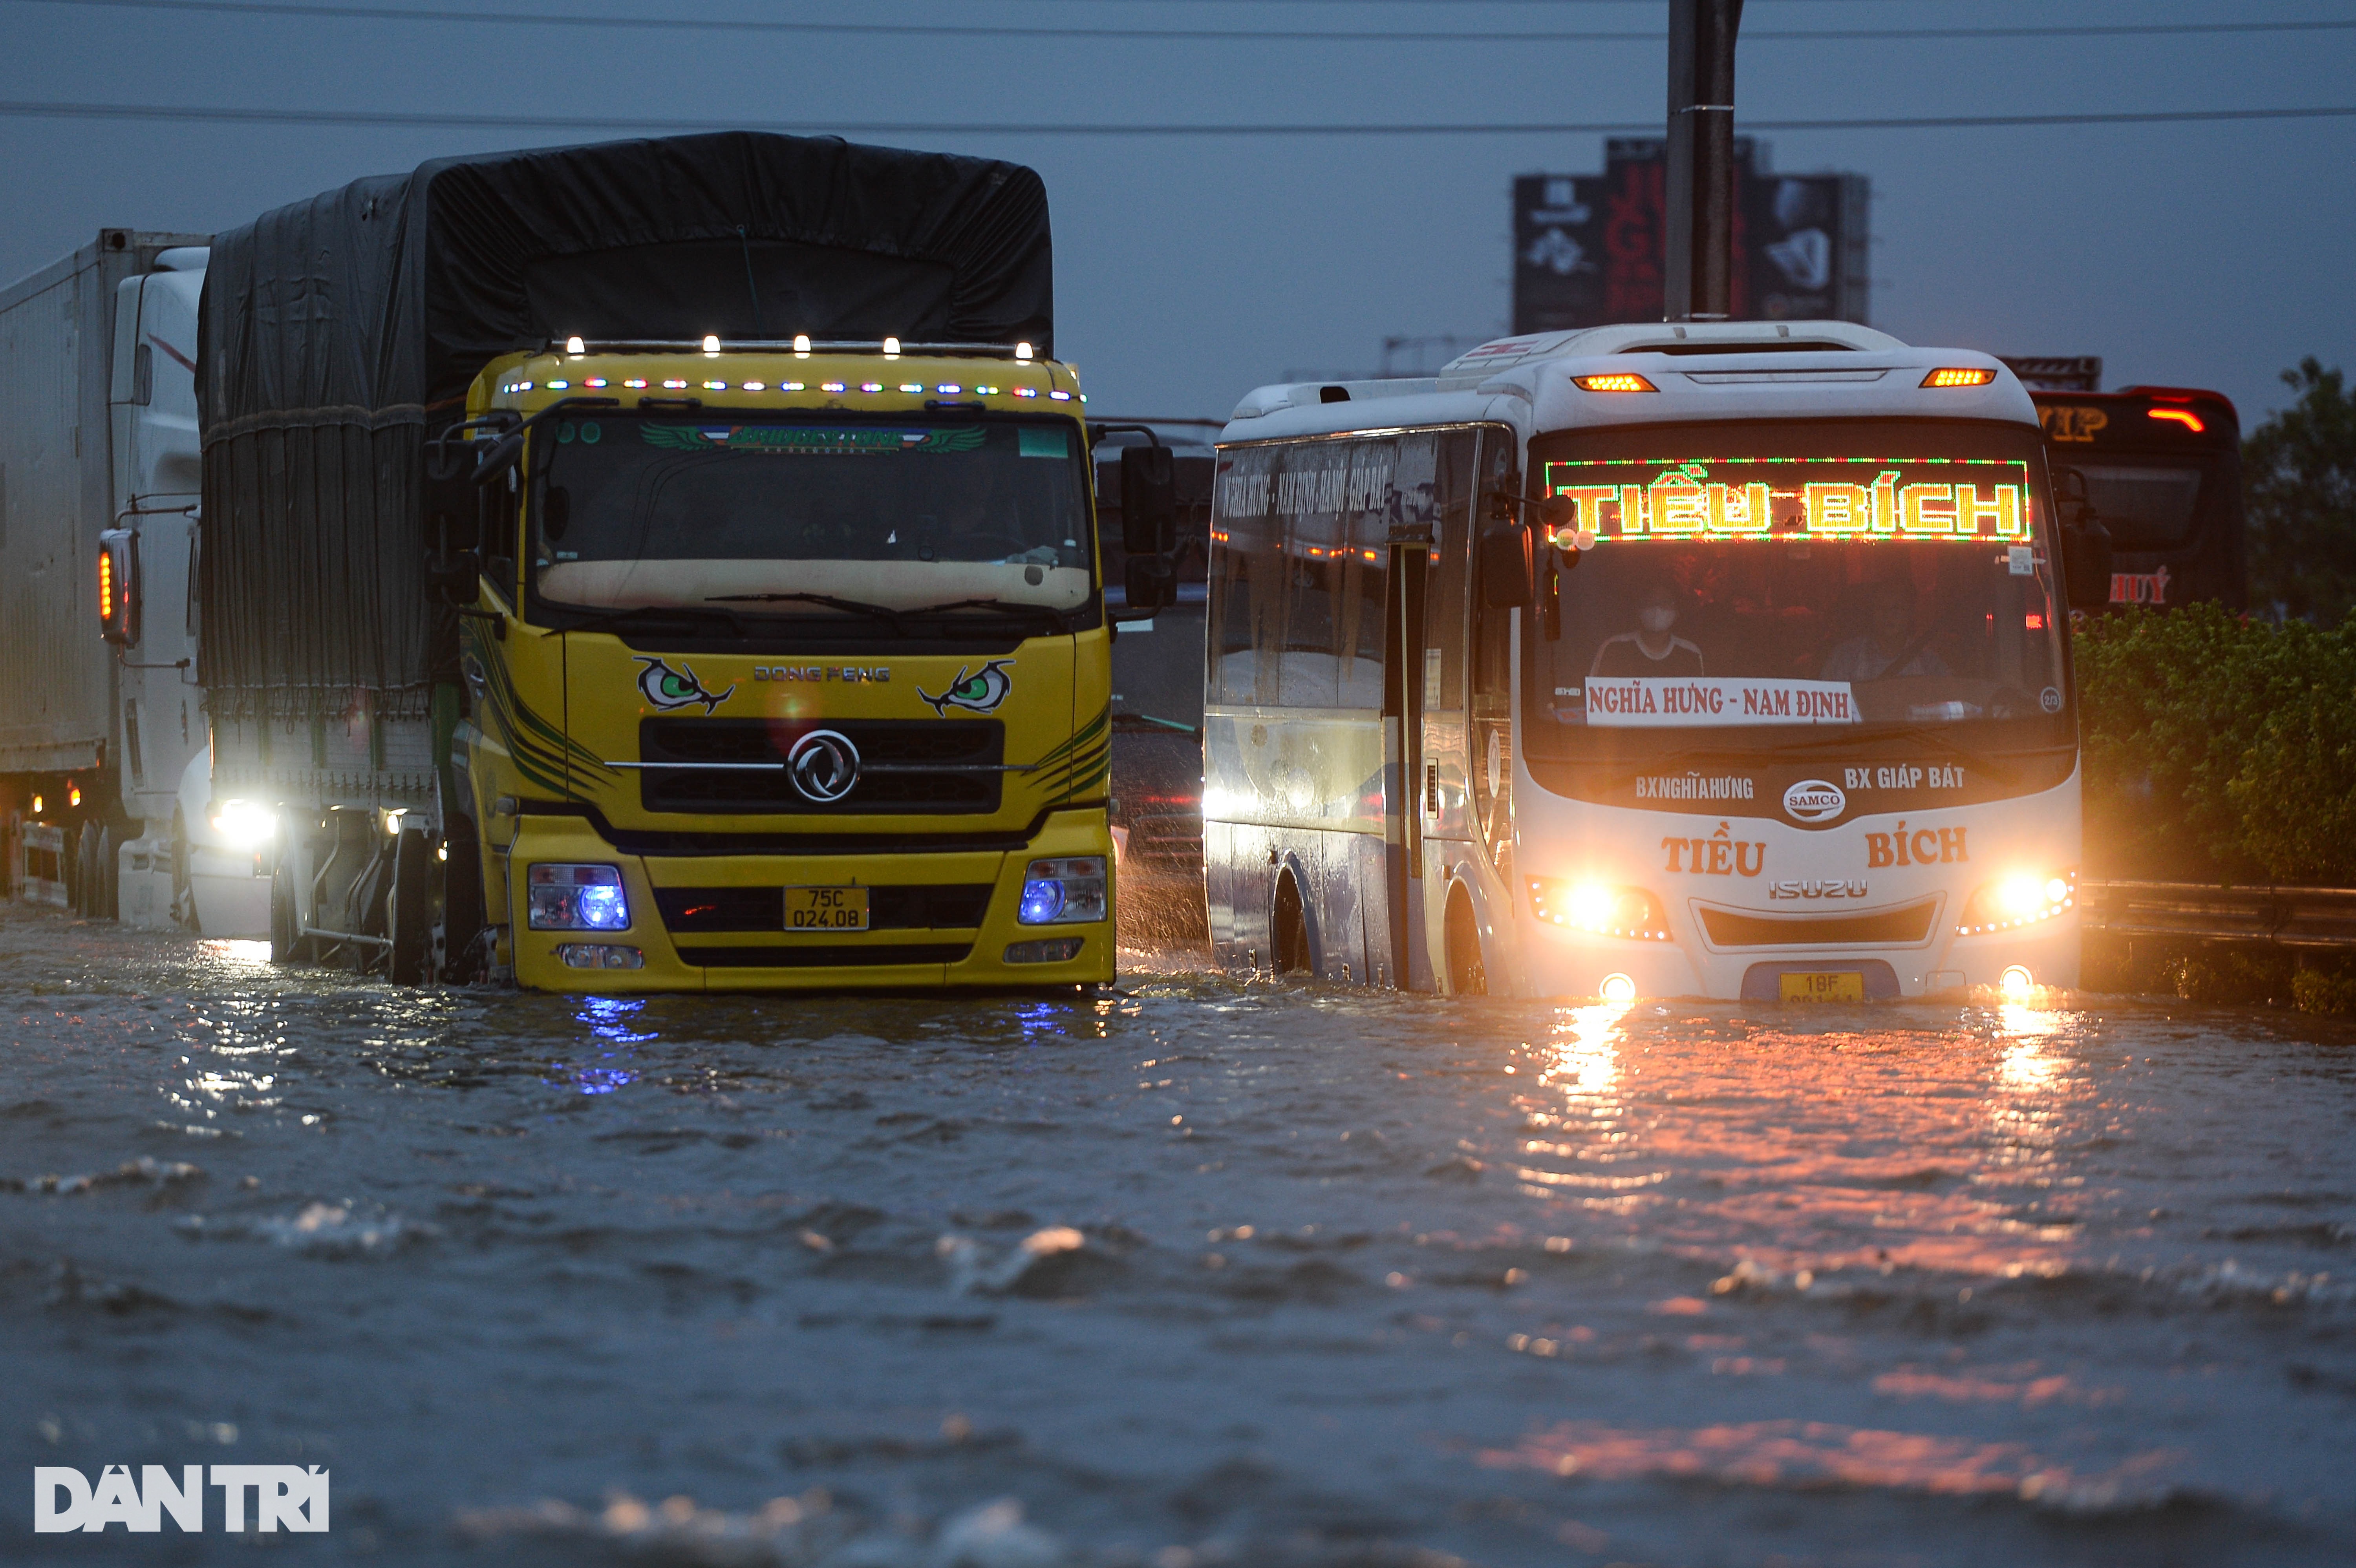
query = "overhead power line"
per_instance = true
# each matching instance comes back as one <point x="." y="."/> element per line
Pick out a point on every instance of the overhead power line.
<point x="284" y="9"/>
<point x="406" y="120"/>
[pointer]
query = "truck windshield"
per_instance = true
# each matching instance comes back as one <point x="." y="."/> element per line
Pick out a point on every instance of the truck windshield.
<point x="1757" y="587"/>
<point x="904" y="512"/>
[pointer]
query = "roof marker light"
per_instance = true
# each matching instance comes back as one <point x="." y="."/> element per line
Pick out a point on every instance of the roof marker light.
<point x="756" y="386"/>
<point x="949" y="388"/>
<point x="870" y="386"/>
<point x="710" y="344"/>
<point x="1026" y="392"/>
<point x="789" y="386"/>
<point x="1061" y="397"/>
<point x="830" y="387"/>
<point x="559" y="386"/>
<point x="1614" y="382"/>
<point x="676" y="385"/>
<point x="634" y="382"/>
<point x="1022" y="351"/>
<point x="1959" y="376"/>
<point x="574" y="346"/>
<point x="912" y="386"/>
<point x="2184" y="417"/>
<point x="594" y="382"/>
<point x="523" y="386"/>
<point x="801" y="341"/>
<point x="891" y="346"/>
<point x="715" y="386"/>
<point x="986" y="391"/>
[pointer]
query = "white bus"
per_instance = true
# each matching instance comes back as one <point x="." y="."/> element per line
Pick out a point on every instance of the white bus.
<point x="1725" y="661"/>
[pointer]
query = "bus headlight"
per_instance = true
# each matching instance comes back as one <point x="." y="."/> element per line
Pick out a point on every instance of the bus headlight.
<point x="1063" y="892"/>
<point x="1599" y="907"/>
<point x="578" y="898"/>
<point x="245" y="825"/>
<point x="2022" y="899"/>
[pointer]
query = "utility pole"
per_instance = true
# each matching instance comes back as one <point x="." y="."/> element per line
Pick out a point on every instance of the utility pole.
<point x="1700" y="273"/>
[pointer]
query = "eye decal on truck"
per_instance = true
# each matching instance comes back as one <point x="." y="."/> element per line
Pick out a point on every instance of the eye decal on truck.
<point x="978" y="693"/>
<point x="668" y="689"/>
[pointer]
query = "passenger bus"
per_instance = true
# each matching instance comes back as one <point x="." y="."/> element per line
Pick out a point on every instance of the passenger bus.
<point x="1723" y="661"/>
<point x="2163" y="472"/>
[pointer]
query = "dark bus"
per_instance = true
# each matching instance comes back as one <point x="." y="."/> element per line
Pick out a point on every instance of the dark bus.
<point x="2163" y="468"/>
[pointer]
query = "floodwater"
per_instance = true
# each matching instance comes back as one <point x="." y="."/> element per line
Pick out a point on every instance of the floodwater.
<point x="1197" y="1273"/>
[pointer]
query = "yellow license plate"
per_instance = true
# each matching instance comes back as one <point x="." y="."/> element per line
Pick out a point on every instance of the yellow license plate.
<point x="826" y="909"/>
<point x="1824" y="987"/>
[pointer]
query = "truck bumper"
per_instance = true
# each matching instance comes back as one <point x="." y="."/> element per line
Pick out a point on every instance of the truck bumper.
<point x="682" y="940"/>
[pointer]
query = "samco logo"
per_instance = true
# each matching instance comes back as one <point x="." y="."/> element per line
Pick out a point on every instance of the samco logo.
<point x="1719" y="855"/>
<point x="1921" y="847"/>
<point x="980" y="692"/>
<point x="668" y="689"/>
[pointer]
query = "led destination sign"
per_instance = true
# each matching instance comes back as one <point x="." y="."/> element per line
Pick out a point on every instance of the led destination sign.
<point x="1962" y="499"/>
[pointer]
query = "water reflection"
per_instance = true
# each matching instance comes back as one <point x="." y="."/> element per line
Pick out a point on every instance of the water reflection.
<point x="1586" y="1049"/>
<point x="609" y="1020"/>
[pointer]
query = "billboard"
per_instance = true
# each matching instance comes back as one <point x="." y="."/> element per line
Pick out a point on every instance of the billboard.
<point x="1588" y="249"/>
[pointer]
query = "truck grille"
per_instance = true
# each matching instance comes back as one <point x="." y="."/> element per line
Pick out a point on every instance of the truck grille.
<point x="943" y="767"/>
<point x="919" y="907"/>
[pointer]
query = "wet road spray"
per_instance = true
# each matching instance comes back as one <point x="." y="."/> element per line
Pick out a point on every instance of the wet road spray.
<point x="1197" y="1272"/>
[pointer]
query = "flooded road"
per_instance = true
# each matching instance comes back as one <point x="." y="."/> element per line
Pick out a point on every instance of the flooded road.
<point x="1196" y="1273"/>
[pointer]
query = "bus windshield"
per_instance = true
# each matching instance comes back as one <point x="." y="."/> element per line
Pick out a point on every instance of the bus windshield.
<point x="1750" y="586"/>
<point x="906" y="512"/>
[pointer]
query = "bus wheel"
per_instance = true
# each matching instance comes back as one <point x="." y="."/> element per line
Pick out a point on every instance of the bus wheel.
<point x="1466" y="976"/>
<point x="409" y="911"/>
<point x="282" y="916"/>
<point x="1289" y="932"/>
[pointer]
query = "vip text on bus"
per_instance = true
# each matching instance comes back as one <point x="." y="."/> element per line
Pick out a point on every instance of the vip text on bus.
<point x="1725" y="660"/>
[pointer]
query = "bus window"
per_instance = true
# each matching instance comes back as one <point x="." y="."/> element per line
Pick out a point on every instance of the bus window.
<point x="1297" y="601"/>
<point x="1449" y="597"/>
<point x="1851" y="579"/>
<point x="2144" y="507"/>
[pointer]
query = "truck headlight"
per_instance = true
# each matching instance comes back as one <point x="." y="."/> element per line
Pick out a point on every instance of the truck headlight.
<point x="2022" y="899"/>
<point x="577" y="898"/>
<point x="245" y="825"/>
<point x="1063" y="892"/>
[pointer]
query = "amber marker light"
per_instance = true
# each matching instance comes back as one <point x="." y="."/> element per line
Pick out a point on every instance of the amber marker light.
<point x="1615" y="381"/>
<point x="2184" y="417"/>
<point x="1958" y="376"/>
<point x="106" y="585"/>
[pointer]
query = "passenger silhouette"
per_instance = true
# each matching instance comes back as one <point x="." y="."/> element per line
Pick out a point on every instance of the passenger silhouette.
<point x="1653" y="648"/>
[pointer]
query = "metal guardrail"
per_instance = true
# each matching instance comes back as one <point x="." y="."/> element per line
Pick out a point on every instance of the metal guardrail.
<point x="2281" y="917"/>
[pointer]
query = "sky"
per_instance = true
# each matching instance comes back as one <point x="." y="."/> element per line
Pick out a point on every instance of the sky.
<point x="1190" y="269"/>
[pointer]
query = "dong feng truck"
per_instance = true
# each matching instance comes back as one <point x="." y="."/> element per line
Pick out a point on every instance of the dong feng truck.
<point x="100" y="718"/>
<point x="662" y="565"/>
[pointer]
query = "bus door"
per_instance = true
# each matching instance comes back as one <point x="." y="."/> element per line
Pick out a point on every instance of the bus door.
<point x="1449" y="797"/>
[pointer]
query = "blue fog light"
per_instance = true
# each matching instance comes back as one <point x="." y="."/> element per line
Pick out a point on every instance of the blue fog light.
<point x="1041" y="902"/>
<point x="577" y="898"/>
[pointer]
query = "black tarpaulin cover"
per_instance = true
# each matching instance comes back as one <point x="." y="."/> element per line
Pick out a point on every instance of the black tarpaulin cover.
<point x="339" y="332"/>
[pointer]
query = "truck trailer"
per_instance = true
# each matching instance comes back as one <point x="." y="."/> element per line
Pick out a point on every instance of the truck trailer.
<point x="661" y="565"/>
<point x="99" y="491"/>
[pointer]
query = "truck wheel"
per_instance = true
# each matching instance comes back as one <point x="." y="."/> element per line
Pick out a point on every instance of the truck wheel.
<point x="1290" y="939"/>
<point x="282" y="917"/>
<point x="1467" y="975"/>
<point x="409" y="911"/>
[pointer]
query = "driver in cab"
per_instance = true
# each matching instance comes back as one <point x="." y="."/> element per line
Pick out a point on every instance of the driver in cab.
<point x="1654" y="649"/>
<point x="1892" y="646"/>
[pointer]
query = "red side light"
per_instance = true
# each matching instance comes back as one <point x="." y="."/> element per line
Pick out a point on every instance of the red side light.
<point x="2184" y="417"/>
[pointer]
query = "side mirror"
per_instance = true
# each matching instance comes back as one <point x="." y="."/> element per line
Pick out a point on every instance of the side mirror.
<point x="1150" y="582"/>
<point x="1149" y="501"/>
<point x="2086" y="565"/>
<point x="1508" y="572"/>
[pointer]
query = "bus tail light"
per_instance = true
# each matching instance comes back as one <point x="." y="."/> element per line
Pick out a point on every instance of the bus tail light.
<point x="1959" y="376"/>
<point x="1599" y="907"/>
<point x="1614" y="382"/>
<point x="2024" y="899"/>
<point x="2184" y="417"/>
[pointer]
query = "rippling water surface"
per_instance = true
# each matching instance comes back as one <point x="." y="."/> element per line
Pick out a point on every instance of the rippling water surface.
<point x="1195" y="1273"/>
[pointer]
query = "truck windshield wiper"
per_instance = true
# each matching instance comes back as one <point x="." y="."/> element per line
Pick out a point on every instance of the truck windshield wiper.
<point x="648" y="612"/>
<point x="1004" y="607"/>
<point x="851" y="606"/>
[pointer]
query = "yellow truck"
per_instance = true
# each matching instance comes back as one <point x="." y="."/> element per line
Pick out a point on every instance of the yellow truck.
<point x="707" y="597"/>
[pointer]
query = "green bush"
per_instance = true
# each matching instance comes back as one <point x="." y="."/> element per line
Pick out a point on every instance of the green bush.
<point x="2218" y="748"/>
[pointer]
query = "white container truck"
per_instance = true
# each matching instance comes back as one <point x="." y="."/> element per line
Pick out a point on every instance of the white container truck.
<point x="101" y="723"/>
